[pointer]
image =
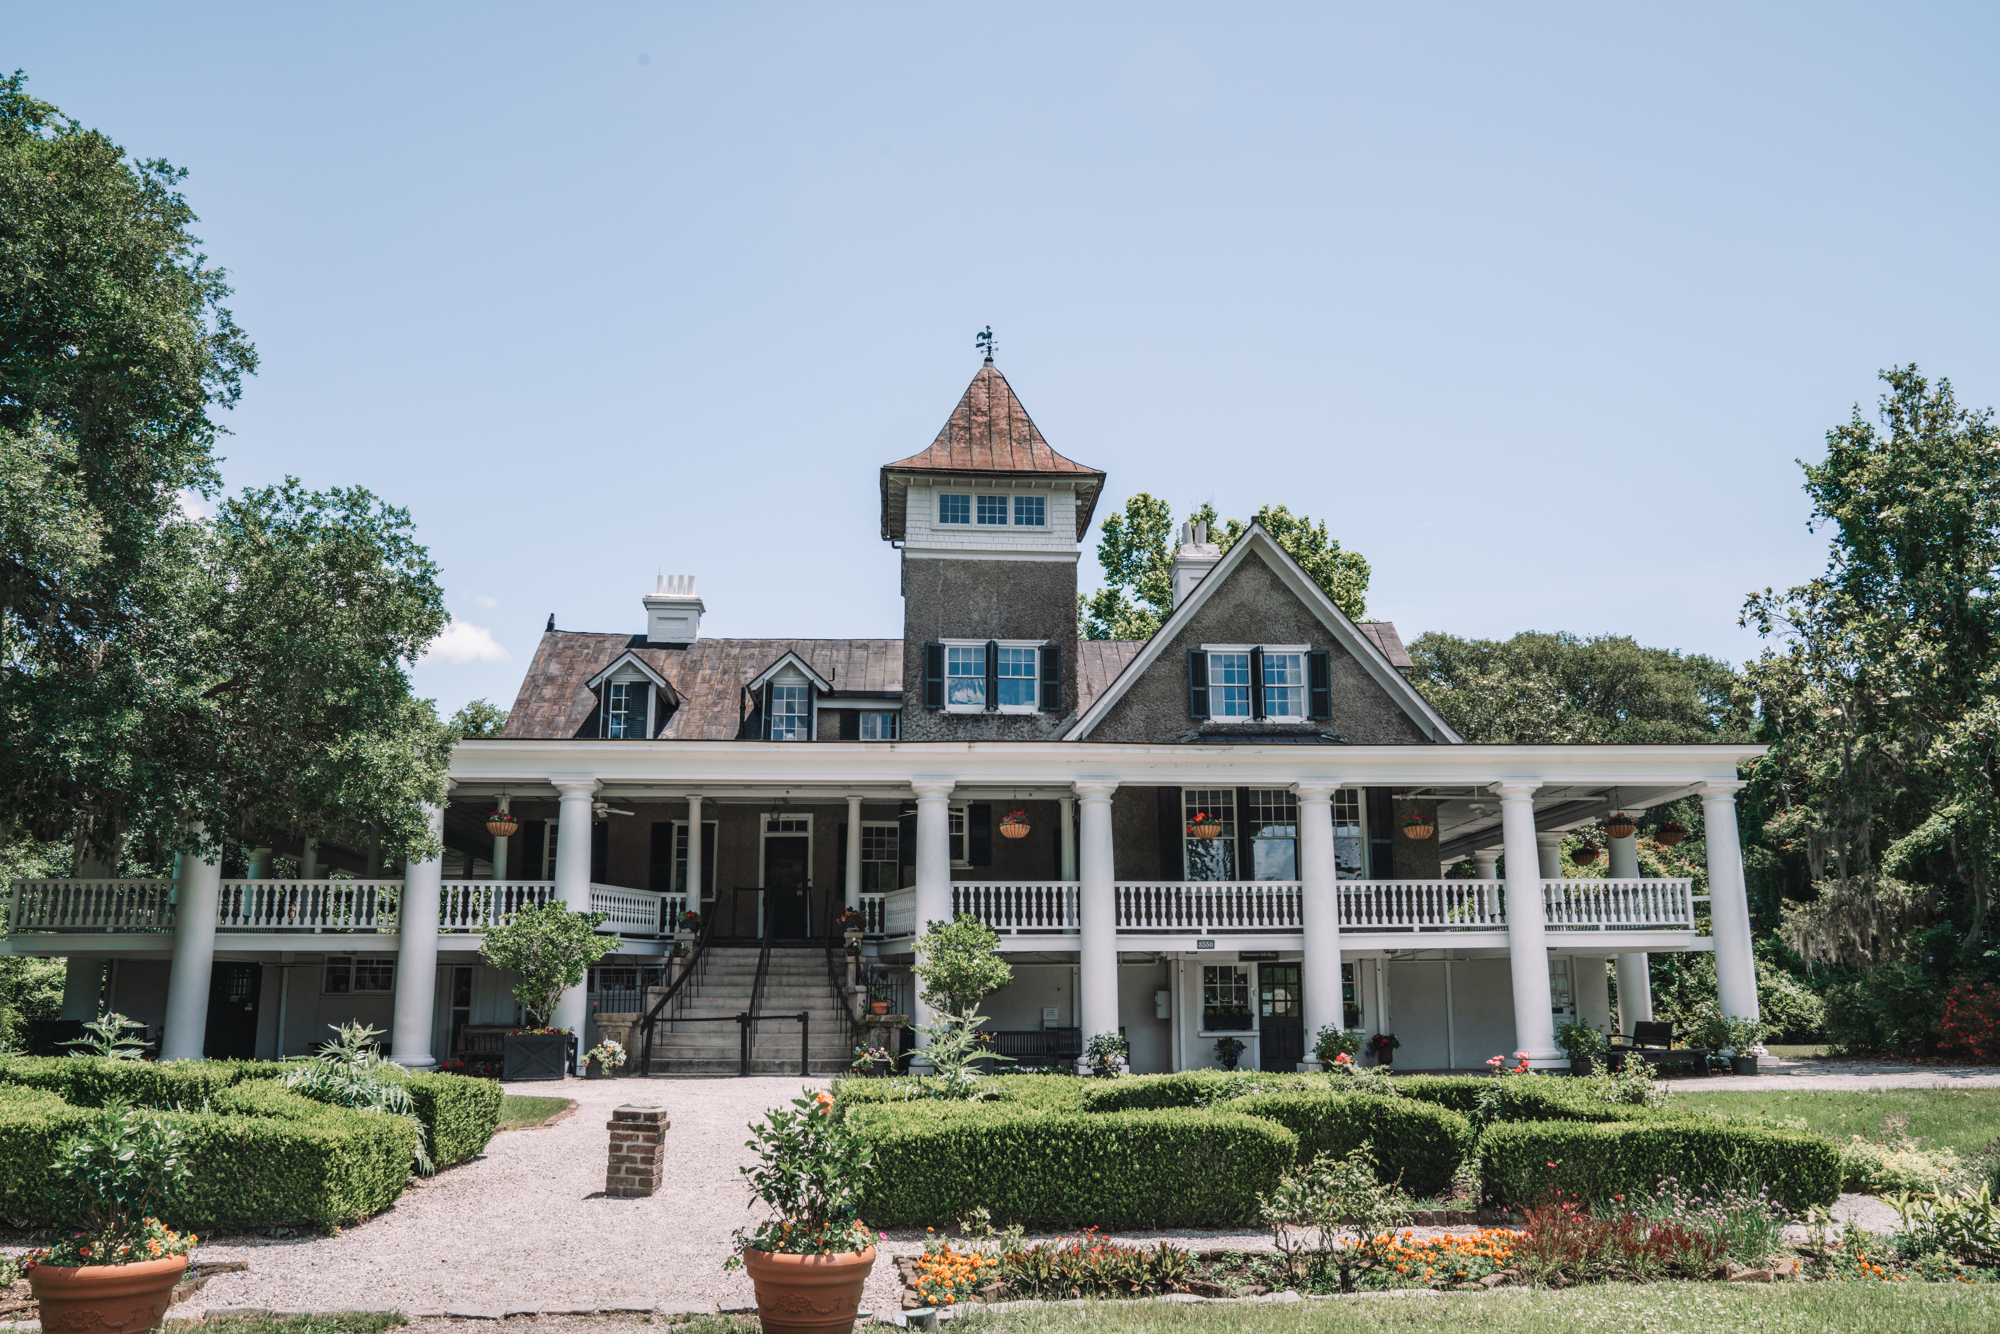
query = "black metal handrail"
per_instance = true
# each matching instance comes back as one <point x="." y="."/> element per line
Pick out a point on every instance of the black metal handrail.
<point x="838" y="981"/>
<point x="756" y="998"/>
<point x="701" y="939"/>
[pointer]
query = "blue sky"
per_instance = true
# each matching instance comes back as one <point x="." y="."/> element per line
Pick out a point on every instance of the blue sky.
<point x="1536" y="305"/>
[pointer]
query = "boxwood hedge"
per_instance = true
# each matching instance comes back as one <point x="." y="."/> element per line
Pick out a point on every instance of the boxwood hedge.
<point x="461" y="1115"/>
<point x="1522" y="1162"/>
<point x="1414" y="1143"/>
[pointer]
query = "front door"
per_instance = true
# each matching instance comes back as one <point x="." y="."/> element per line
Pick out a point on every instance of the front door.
<point x="233" y="990"/>
<point x="786" y="886"/>
<point x="1281" y="1038"/>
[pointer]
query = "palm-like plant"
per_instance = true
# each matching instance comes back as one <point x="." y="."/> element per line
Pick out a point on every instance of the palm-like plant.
<point x="112" y="1036"/>
<point x="351" y="1071"/>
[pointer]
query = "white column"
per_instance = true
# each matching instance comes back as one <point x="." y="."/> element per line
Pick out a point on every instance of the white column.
<point x="83" y="986"/>
<point x="1319" y="904"/>
<point x="1548" y="851"/>
<point x="500" y="842"/>
<point x="933" y="868"/>
<point x="1527" y="927"/>
<point x="694" y="868"/>
<point x="854" y="853"/>
<point x="1635" y="992"/>
<point x="309" y="860"/>
<point x="1729" y="903"/>
<point x="1624" y="857"/>
<point x="199" y="889"/>
<point x="257" y="864"/>
<point x="573" y="881"/>
<point x="1067" y="818"/>
<point x="411" y="1018"/>
<point x="1593" y="991"/>
<point x="1097" y="912"/>
<point x="1485" y="865"/>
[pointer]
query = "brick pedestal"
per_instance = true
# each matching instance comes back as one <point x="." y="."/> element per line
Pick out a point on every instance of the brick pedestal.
<point x="637" y="1161"/>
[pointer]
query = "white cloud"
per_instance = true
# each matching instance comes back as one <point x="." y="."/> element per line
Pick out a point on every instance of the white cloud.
<point x="464" y="642"/>
<point x="481" y="600"/>
<point x="192" y="506"/>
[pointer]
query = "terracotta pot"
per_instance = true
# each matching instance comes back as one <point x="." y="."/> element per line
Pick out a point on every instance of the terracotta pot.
<point x="1205" y="830"/>
<point x="1669" y="834"/>
<point x="1620" y="826"/>
<point x="1419" y="830"/>
<point x="808" y="1294"/>
<point x="1014" y="830"/>
<point x="878" y="1007"/>
<point x="502" y="828"/>
<point x="106" y="1299"/>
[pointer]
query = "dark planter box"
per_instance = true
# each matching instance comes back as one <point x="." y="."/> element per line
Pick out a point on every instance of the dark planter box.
<point x="1226" y="1023"/>
<point x="1743" y="1065"/>
<point x="882" y="1068"/>
<point x="1580" y="1069"/>
<point x="536" y="1056"/>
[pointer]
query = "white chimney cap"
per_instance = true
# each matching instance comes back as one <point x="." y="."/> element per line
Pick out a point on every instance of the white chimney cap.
<point x="673" y="611"/>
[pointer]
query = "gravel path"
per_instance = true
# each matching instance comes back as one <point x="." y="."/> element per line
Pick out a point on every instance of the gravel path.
<point x="1850" y="1077"/>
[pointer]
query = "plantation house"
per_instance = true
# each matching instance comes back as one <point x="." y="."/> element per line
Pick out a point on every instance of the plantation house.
<point x="1218" y="827"/>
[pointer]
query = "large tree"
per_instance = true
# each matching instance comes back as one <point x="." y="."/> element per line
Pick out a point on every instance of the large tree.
<point x="1136" y="550"/>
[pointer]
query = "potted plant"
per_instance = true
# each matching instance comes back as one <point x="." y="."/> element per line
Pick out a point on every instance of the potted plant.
<point x="1418" y="825"/>
<point x="501" y="823"/>
<point x="1584" y="853"/>
<point x="850" y="924"/>
<point x="552" y="949"/>
<point x="1336" y="1046"/>
<point x="1384" y="1045"/>
<point x="1228" y="1051"/>
<point x="1738" y="1041"/>
<point x="810" y="1259"/>
<point x="116" y="1265"/>
<point x="1203" y="824"/>
<point x="1621" y="825"/>
<point x="1105" y="1053"/>
<point x="1226" y="1018"/>
<point x="601" y="1061"/>
<point x="688" y="925"/>
<point x="878" y="999"/>
<point x="1670" y="833"/>
<point x="1014" y="824"/>
<point x="1581" y="1043"/>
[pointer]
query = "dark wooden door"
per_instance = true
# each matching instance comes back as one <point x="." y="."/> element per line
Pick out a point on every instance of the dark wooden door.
<point x="233" y="990"/>
<point x="1281" y="1042"/>
<point x="787" y="887"/>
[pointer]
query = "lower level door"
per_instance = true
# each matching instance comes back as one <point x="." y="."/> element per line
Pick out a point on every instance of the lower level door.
<point x="233" y="992"/>
<point x="786" y="877"/>
<point x="1281" y="1041"/>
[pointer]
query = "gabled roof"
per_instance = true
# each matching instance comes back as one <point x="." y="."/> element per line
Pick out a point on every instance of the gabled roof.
<point x="629" y="659"/>
<point x="789" y="659"/>
<point x="1365" y="648"/>
<point x="989" y="434"/>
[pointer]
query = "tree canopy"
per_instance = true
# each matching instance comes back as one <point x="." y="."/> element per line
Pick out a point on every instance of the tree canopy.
<point x="479" y="720"/>
<point x="1136" y="550"/>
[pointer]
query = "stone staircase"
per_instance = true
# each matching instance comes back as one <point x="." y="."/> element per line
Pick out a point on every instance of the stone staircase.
<point x="796" y="982"/>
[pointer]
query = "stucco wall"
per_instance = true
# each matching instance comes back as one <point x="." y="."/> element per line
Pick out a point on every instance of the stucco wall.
<point x="985" y="599"/>
<point x="1255" y="607"/>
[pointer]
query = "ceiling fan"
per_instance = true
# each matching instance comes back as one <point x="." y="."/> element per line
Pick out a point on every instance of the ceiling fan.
<point x="600" y="809"/>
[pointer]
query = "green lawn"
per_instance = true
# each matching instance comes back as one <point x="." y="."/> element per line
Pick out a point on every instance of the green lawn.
<point x="521" y="1113"/>
<point x="1665" y="1308"/>
<point x="1963" y="1119"/>
<point x="1791" y="1052"/>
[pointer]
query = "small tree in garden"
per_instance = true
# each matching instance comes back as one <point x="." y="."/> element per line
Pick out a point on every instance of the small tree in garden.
<point x="551" y="948"/>
<point x="959" y="964"/>
<point x="1314" y="1205"/>
<point x="808" y="1174"/>
<point x="111" y="1176"/>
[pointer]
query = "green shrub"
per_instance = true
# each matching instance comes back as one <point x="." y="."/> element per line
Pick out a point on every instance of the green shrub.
<point x="1523" y="1161"/>
<point x="1052" y="1092"/>
<point x="935" y="1162"/>
<point x="1414" y="1143"/>
<point x="1195" y="1088"/>
<point x="459" y="1113"/>
<point x="91" y="1081"/>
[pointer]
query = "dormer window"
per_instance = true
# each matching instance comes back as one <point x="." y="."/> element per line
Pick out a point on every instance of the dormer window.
<point x="633" y="700"/>
<point x="998" y="676"/>
<point x="991" y="511"/>
<point x="625" y="709"/>
<point x="1030" y="512"/>
<point x="790" y="720"/>
<point x="954" y="509"/>
<point x="1280" y="683"/>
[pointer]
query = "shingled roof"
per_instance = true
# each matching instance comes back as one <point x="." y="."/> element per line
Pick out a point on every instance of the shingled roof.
<point x="989" y="434"/>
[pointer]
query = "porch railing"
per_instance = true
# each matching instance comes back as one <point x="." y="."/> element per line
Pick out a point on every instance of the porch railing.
<point x="1421" y="905"/>
<point x="871" y="915"/>
<point x="92" y="905"/>
<point x="899" y="912"/>
<point x="1201" y="906"/>
<point x="1611" y="905"/>
<point x="1019" y="907"/>
<point x="311" y="906"/>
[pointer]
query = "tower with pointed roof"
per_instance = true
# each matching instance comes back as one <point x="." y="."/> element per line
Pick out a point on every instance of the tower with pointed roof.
<point x="990" y="521"/>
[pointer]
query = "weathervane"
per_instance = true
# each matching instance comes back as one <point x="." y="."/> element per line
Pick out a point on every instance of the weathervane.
<point x="983" y="340"/>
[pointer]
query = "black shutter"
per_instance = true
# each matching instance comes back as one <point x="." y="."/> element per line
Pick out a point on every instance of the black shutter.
<point x="934" y="676"/>
<point x="594" y="724"/>
<point x="1173" y="835"/>
<point x="850" y="725"/>
<point x="1052" y="678"/>
<point x="765" y="731"/>
<point x="1319" y="679"/>
<point x="906" y="839"/>
<point x="840" y="860"/>
<point x="1246" y="838"/>
<point x="600" y="849"/>
<point x="660" y="858"/>
<point x="979" y="834"/>
<point x="531" y="838"/>
<point x="992" y="676"/>
<point x="1381" y="835"/>
<point x="1256" y="683"/>
<point x="1197" y="683"/>
<point x="708" y="833"/>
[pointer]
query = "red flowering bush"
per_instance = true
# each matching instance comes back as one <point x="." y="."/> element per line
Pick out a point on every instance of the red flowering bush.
<point x="1972" y="1019"/>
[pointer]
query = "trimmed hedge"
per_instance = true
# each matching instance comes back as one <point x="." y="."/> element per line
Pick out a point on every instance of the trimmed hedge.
<point x="1182" y="1167"/>
<point x="460" y="1114"/>
<point x="1533" y="1097"/>
<point x="1195" y="1088"/>
<point x="262" y="1156"/>
<point x="1415" y="1143"/>
<point x="1523" y="1161"/>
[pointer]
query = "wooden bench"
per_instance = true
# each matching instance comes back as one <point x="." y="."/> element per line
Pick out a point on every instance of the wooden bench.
<point x="1653" y="1043"/>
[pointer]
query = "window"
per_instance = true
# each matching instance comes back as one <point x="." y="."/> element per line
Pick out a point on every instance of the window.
<point x="1017" y="678"/>
<point x="1350" y="1009"/>
<point x="1210" y="858"/>
<point x="625" y="709"/>
<point x="1285" y="686"/>
<point x="788" y="713"/>
<point x="878" y="725"/>
<point x="1030" y="512"/>
<point x="1229" y="685"/>
<point x="965" y="676"/>
<point x="1350" y="835"/>
<point x="680" y="881"/>
<point x="880" y="858"/>
<point x="1274" y="834"/>
<point x="1278" y="992"/>
<point x="992" y="509"/>
<point x="960" y="854"/>
<point x="954" y="509"/>
<point x="1561" y="999"/>
<point x="1225" y="996"/>
<point x="348" y="976"/>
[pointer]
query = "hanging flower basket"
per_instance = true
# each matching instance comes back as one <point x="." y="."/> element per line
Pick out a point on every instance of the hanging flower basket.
<point x="501" y="824"/>
<point x="1669" y="833"/>
<point x="1014" y="824"/>
<point x="1417" y="825"/>
<point x="1204" y="825"/>
<point x="1584" y="854"/>
<point x="1621" y="825"/>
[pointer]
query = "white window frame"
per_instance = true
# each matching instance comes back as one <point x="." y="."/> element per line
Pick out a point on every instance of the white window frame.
<point x="678" y="875"/>
<point x="958" y="834"/>
<point x="1035" y="680"/>
<point x="1304" y="687"/>
<point x="971" y="509"/>
<point x="1359" y="839"/>
<point x="765" y="831"/>
<point x="895" y="723"/>
<point x="1015" y="512"/>
<point x="804" y="715"/>
<point x="1006" y="510"/>
<point x="347" y="961"/>
<point x="949" y="705"/>
<point x="895" y="862"/>
<point x="645" y="712"/>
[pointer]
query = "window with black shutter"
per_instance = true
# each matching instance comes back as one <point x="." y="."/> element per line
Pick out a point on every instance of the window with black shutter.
<point x="850" y="727"/>
<point x="906" y="838"/>
<point x="1197" y="683"/>
<point x="1319" y="684"/>
<point x="1256" y="683"/>
<point x="992" y="676"/>
<point x="600" y="850"/>
<point x="1052" y="678"/>
<point x="979" y="834"/>
<point x="934" y="676"/>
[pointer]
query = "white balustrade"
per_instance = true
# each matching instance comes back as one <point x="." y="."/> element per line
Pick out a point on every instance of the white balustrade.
<point x="1421" y="905"/>
<point x="871" y="914"/>
<point x="92" y="905"/>
<point x="474" y="905"/>
<point x="899" y="913"/>
<point x="1015" y="907"/>
<point x="1619" y="905"/>
<point x="1202" y="906"/>
<point x="629" y="912"/>
<point x="312" y="906"/>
